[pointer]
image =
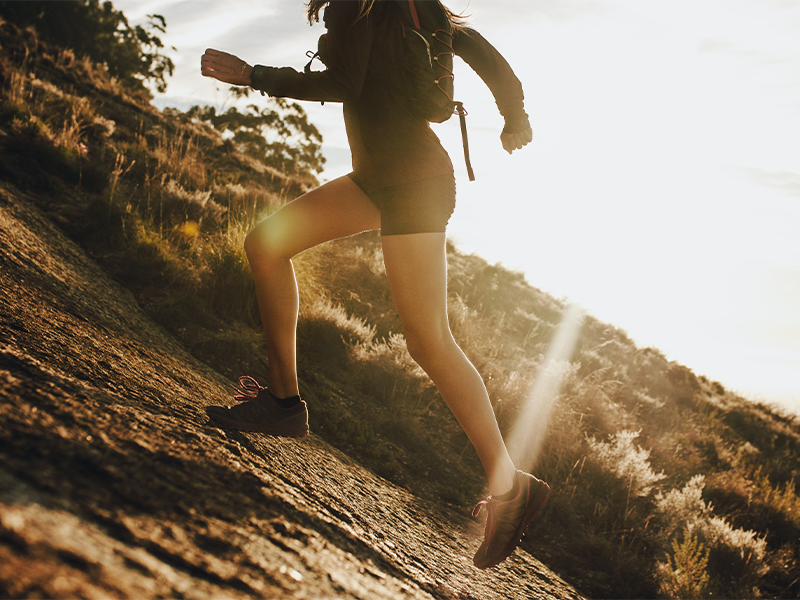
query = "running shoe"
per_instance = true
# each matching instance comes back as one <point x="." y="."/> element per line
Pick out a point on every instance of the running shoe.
<point x="260" y="410"/>
<point x="507" y="520"/>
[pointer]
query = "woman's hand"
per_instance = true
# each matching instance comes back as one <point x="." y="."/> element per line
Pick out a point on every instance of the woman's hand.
<point x="225" y="67"/>
<point x="515" y="141"/>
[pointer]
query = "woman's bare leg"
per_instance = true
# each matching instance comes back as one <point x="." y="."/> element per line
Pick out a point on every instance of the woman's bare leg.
<point x="336" y="209"/>
<point x="416" y="265"/>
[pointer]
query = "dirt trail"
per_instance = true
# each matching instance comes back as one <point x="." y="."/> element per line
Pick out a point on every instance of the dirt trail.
<point x="112" y="483"/>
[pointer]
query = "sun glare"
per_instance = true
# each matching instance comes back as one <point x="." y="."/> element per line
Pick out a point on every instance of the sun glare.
<point x="525" y="440"/>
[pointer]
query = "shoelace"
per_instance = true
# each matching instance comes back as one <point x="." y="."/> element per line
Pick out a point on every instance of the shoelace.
<point x="489" y="532"/>
<point x="479" y="507"/>
<point x="248" y="389"/>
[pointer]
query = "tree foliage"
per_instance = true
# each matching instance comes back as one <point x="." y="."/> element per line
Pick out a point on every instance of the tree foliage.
<point x="132" y="54"/>
<point x="279" y="134"/>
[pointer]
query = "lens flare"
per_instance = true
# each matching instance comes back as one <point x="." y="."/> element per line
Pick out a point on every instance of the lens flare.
<point x="525" y="439"/>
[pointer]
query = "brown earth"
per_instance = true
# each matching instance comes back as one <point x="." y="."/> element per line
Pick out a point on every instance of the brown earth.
<point x="113" y="483"/>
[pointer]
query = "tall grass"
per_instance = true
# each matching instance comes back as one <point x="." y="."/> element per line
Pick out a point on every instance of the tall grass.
<point x="664" y="483"/>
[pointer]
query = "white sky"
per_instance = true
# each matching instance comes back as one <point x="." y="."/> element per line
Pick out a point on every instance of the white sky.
<point x="662" y="190"/>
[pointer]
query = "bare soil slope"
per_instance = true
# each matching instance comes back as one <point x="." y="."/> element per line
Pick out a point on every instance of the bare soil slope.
<point x="112" y="482"/>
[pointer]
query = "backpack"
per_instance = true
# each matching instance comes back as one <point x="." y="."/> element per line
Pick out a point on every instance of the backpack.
<point x="428" y="66"/>
<point x="425" y="81"/>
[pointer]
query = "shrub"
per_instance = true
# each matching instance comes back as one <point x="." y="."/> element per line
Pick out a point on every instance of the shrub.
<point x="384" y="369"/>
<point x="684" y="574"/>
<point x="679" y="508"/>
<point x="736" y="557"/>
<point x="736" y="560"/>
<point x="181" y="206"/>
<point x="627" y="461"/>
<point x="326" y="333"/>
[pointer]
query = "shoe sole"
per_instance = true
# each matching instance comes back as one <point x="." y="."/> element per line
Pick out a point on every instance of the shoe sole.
<point x="269" y="429"/>
<point x="531" y="512"/>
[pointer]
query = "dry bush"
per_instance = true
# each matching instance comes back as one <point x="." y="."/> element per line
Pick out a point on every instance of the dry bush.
<point x="226" y="284"/>
<point x="736" y="562"/>
<point x="95" y="74"/>
<point x="178" y="206"/>
<point x="15" y="79"/>
<point x="179" y="157"/>
<point x="626" y="461"/>
<point x="679" y="508"/>
<point x="384" y="371"/>
<point x="60" y="117"/>
<point x="326" y="334"/>
<point x="594" y="397"/>
<point x="783" y="501"/>
<point x="736" y="557"/>
<point x="684" y="574"/>
<point x="245" y="205"/>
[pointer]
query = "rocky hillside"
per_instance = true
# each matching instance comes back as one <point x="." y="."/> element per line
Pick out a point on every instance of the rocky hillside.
<point x="112" y="482"/>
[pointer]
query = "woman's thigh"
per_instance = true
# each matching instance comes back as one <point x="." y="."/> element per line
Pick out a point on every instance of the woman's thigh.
<point x="336" y="209"/>
<point x="416" y="267"/>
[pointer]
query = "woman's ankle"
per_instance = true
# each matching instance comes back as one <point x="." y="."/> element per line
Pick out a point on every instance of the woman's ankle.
<point x="502" y="482"/>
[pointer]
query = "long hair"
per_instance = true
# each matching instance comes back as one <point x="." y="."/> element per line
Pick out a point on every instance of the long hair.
<point x="314" y="7"/>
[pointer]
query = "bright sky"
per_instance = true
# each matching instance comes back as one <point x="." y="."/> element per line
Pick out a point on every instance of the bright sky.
<point x="662" y="190"/>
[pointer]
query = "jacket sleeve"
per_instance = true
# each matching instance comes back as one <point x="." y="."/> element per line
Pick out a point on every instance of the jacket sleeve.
<point x="498" y="76"/>
<point x="349" y="44"/>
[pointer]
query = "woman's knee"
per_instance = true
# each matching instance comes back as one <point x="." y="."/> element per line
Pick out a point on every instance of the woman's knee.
<point x="263" y="245"/>
<point x="427" y="346"/>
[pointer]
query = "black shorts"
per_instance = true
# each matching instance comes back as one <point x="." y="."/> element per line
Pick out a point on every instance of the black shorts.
<point x="423" y="206"/>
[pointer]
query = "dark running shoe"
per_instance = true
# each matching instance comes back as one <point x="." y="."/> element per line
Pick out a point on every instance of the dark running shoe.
<point x="260" y="410"/>
<point x="507" y="520"/>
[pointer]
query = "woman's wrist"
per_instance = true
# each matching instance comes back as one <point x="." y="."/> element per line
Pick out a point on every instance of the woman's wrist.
<point x="258" y="77"/>
<point x="247" y="71"/>
<point x="517" y="123"/>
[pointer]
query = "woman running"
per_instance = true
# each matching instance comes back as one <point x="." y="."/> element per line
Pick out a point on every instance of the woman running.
<point x="403" y="184"/>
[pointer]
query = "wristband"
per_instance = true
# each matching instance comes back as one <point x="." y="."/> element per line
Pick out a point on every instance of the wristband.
<point x="258" y="78"/>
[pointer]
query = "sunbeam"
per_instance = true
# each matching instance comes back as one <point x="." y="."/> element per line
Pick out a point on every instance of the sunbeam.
<point x="525" y="438"/>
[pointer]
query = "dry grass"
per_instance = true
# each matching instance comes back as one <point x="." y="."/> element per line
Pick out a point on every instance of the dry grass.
<point x="708" y="480"/>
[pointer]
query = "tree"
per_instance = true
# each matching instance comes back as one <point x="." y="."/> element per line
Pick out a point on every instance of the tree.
<point x="131" y="54"/>
<point x="279" y="135"/>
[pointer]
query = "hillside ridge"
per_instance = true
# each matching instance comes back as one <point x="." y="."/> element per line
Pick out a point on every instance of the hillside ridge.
<point x="114" y="483"/>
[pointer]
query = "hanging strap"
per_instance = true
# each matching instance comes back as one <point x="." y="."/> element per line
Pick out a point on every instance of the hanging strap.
<point x="312" y="55"/>
<point x="414" y="15"/>
<point x="462" y="114"/>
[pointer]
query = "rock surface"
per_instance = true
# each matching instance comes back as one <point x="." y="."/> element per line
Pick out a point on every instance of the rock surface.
<point x="113" y="483"/>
